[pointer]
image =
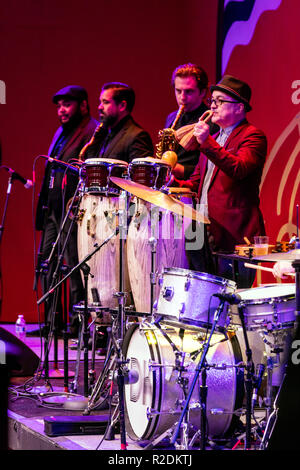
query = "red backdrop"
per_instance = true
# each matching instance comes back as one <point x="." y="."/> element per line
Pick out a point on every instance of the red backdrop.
<point x="48" y="44"/>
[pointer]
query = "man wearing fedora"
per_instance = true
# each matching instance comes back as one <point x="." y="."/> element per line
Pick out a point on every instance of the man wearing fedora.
<point x="58" y="187"/>
<point x="227" y="177"/>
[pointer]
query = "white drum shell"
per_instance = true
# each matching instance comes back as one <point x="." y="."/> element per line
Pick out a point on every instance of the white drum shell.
<point x="186" y="297"/>
<point x="272" y="306"/>
<point x="157" y="391"/>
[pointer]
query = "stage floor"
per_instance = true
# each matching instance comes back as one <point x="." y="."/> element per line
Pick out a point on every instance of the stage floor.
<point x="27" y="411"/>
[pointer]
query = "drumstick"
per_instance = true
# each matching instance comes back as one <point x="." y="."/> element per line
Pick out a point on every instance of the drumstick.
<point x="263" y="268"/>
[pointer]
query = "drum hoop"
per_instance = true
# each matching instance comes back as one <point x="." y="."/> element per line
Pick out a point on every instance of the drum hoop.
<point x="200" y="276"/>
<point x="105" y="162"/>
<point x="154" y="164"/>
<point x="268" y="300"/>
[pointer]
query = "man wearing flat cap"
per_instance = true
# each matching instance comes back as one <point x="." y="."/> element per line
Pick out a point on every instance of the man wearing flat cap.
<point x="227" y="177"/>
<point x="59" y="185"/>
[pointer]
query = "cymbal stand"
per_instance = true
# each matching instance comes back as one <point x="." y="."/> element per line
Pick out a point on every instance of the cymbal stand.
<point x="121" y="296"/>
<point x="153" y="244"/>
<point x="198" y="369"/>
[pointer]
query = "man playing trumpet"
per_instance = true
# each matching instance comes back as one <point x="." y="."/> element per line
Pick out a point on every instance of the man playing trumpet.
<point x="227" y="176"/>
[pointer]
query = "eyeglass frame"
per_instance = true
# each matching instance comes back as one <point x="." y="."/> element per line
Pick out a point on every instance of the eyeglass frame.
<point x="220" y="100"/>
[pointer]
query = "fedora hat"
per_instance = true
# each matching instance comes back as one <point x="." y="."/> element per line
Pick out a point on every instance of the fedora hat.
<point x="236" y="88"/>
<point x="73" y="92"/>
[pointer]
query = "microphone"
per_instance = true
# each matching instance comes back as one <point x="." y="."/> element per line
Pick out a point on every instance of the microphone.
<point x="16" y="176"/>
<point x="258" y="380"/>
<point x="59" y="163"/>
<point x="232" y="299"/>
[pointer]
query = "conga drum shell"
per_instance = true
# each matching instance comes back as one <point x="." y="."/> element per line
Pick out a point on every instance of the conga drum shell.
<point x="97" y="221"/>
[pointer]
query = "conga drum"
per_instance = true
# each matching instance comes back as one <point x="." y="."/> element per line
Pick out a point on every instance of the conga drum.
<point x="149" y="171"/>
<point x="97" y="221"/>
<point x="168" y="231"/>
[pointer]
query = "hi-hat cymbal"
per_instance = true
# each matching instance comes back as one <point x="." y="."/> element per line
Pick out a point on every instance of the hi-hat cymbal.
<point x="284" y="256"/>
<point x="160" y="199"/>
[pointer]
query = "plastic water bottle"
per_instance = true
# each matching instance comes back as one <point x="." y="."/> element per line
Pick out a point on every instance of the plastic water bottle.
<point x="21" y="328"/>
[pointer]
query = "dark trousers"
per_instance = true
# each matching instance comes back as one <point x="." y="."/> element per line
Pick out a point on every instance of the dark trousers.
<point x="201" y="258"/>
<point x="66" y="252"/>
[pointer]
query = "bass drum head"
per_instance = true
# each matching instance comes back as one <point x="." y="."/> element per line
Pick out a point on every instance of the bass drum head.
<point x="151" y="404"/>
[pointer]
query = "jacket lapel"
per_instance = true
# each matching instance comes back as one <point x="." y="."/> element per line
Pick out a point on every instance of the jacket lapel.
<point x="233" y="134"/>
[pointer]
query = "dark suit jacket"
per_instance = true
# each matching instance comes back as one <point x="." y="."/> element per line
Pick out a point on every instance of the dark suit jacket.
<point x="233" y="194"/>
<point x="128" y="141"/>
<point x="78" y="138"/>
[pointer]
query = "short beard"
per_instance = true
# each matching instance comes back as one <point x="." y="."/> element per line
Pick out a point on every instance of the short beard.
<point x="108" y="121"/>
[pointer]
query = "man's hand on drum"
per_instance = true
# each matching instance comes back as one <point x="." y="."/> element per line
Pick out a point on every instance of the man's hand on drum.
<point x="282" y="268"/>
<point x="201" y="131"/>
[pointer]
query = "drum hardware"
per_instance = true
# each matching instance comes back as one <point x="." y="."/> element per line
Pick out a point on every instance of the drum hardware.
<point x="272" y="419"/>
<point x="54" y="289"/>
<point x="199" y="369"/>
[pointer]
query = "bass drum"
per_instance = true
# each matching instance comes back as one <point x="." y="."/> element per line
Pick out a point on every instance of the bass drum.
<point x="97" y="220"/>
<point x="169" y="231"/>
<point x="151" y="403"/>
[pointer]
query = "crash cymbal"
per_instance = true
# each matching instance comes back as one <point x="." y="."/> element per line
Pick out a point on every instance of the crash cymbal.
<point x="284" y="256"/>
<point x="160" y="199"/>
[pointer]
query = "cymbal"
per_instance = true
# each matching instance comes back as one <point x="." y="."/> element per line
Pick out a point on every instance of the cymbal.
<point x="284" y="256"/>
<point x="160" y="199"/>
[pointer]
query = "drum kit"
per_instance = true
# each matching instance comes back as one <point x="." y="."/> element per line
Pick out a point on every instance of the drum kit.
<point x="181" y="355"/>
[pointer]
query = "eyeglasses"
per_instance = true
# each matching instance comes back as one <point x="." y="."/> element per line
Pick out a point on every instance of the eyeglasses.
<point x="219" y="101"/>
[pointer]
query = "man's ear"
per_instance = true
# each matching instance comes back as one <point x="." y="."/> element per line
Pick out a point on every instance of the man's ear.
<point x="83" y="106"/>
<point x="123" y="106"/>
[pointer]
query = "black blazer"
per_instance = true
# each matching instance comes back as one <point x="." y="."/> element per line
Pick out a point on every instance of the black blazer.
<point x="128" y="141"/>
<point x="81" y="135"/>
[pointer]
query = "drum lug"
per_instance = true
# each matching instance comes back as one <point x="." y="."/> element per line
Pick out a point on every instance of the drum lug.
<point x="187" y="284"/>
<point x="182" y="309"/>
<point x="168" y="293"/>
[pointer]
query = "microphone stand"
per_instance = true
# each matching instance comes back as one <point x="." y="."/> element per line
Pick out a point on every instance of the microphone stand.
<point x="59" y="268"/>
<point x="81" y="265"/>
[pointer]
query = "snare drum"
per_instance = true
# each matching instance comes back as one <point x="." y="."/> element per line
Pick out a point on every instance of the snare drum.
<point x="169" y="230"/>
<point x="98" y="172"/>
<point x="271" y="307"/>
<point x="151" y="403"/>
<point x="186" y="298"/>
<point x="151" y="172"/>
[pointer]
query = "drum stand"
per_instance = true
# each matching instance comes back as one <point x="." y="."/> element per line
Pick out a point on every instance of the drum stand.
<point x="248" y="380"/>
<point x="115" y="361"/>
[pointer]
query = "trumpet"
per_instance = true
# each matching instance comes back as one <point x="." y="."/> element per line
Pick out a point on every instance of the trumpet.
<point x="185" y="135"/>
